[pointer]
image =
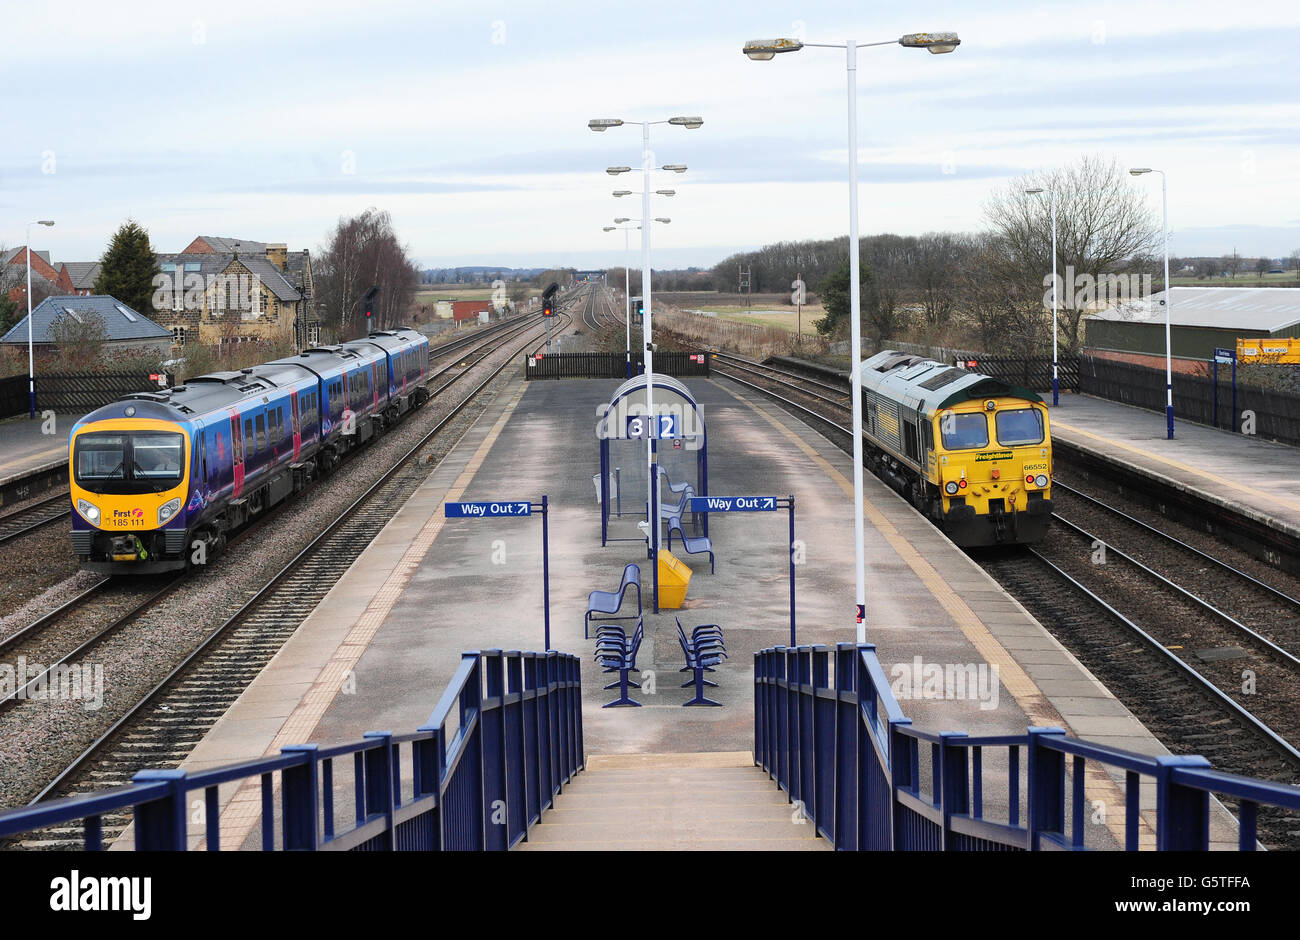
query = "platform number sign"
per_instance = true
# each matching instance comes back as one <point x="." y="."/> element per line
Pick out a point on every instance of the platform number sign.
<point x="639" y="427"/>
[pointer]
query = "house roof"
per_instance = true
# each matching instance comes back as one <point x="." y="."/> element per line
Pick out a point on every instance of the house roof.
<point x="1242" y="308"/>
<point x="222" y="245"/>
<point x="82" y="273"/>
<point x="120" y="321"/>
<point x="18" y="255"/>
<point x="272" y="277"/>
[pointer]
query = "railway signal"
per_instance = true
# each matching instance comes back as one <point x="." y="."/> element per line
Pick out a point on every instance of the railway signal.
<point x="368" y="305"/>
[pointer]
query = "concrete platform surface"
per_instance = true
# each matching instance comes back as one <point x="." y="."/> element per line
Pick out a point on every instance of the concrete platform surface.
<point x="27" y="446"/>
<point x="377" y="653"/>
<point x="1257" y="477"/>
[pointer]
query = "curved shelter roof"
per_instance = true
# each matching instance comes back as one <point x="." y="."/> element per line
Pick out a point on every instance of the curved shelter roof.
<point x="670" y="396"/>
<point x="927" y="385"/>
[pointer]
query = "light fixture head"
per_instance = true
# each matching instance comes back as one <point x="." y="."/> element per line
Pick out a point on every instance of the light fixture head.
<point x="622" y="192"/>
<point x="690" y="123"/>
<point x="760" y="50"/>
<point x="662" y="219"/>
<point x="1035" y="191"/>
<point x="938" y="43"/>
<point x="620" y="221"/>
<point x="665" y="192"/>
<point x="608" y="228"/>
<point x="675" y="167"/>
<point x="1139" y="170"/>
<point x="600" y="125"/>
<point x="615" y="170"/>
<point x="45" y="222"/>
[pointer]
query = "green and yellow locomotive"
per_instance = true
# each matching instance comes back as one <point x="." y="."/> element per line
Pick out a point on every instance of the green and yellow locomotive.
<point x="970" y="451"/>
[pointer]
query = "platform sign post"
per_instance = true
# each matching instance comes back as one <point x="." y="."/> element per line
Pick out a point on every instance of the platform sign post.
<point x="1225" y="355"/>
<point x="501" y="508"/>
<point x="710" y="504"/>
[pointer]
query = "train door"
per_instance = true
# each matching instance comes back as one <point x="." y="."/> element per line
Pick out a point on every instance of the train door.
<point x="374" y="374"/>
<point x="237" y="454"/>
<point x="297" y="424"/>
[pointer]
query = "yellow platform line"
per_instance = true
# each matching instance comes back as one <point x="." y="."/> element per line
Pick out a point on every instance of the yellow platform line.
<point x="1023" y="689"/>
<point x="244" y="811"/>
<point x="1186" y="468"/>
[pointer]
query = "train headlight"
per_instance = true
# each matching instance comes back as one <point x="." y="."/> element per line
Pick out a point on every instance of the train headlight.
<point x="951" y="487"/>
<point x="168" y="509"/>
<point x="1040" y="480"/>
<point x="89" y="511"/>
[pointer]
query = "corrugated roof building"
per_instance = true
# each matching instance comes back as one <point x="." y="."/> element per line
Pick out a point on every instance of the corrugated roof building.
<point x="1201" y="320"/>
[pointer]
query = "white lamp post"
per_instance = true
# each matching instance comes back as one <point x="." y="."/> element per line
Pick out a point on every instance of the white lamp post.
<point x="31" y="359"/>
<point x="762" y="50"/>
<point x="1169" y="300"/>
<point x="600" y="125"/>
<point x="1056" y="385"/>
<point x="627" y="286"/>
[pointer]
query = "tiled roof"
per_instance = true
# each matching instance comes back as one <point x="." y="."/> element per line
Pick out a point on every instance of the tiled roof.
<point x="120" y="321"/>
<point x="272" y="277"/>
<point x="83" y="273"/>
<point x="1248" y="308"/>
<point x="243" y="246"/>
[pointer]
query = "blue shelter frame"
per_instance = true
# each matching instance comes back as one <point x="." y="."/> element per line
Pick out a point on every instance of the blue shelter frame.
<point x="671" y="397"/>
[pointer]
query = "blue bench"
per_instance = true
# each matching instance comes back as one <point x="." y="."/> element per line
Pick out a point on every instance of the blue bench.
<point x="703" y="650"/>
<point x="695" y="544"/>
<point x="610" y="602"/>
<point x="617" y="653"/>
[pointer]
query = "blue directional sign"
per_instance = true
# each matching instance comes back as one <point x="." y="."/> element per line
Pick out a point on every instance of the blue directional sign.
<point x="1224" y="355"/>
<point x="734" y="504"/>
<point x="492" y="510"/>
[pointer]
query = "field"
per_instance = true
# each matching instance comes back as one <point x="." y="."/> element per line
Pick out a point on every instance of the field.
<point x="432" y="293"/>
<point x="1244" y="279"/>
<point x="785" y="319"/>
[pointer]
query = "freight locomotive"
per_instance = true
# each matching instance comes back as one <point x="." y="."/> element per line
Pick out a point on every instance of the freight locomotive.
<point x="160" y="479"/>
<point x="970" y="451"/>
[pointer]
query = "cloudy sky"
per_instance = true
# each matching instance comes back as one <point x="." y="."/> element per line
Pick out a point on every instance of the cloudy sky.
<point x="467" y="120"/>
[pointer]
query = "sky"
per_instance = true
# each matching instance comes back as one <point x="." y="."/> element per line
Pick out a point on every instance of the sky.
<point x="467" y="120"/>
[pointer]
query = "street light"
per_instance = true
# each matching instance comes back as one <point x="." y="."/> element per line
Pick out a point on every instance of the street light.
<point x="762" y="50"/>
<point x="662" y="219"/>
<point x="622" y="192"/>
<point x="1169" y="299"/>
<point x="1056" y="385"/>
<point x="627" y="290"/>
<point x="615" y="170"/>
<point x="600" y="125"/>
<point x="31" y="359"/>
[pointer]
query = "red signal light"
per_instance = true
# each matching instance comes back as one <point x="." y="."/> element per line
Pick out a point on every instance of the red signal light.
<point x="962" y="483"/>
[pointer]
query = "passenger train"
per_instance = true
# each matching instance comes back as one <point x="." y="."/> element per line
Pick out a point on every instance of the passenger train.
<point x="160" y="479"/>
<point x="970" y="451"/>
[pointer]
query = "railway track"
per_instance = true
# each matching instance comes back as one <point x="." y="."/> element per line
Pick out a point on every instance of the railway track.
<point x="165" y="724"/>
<point x="16" y="524"/>
<point x="1174" y="655"/>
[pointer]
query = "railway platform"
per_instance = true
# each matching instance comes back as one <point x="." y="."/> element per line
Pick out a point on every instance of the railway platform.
<point x="33" y="454"/>
<point x="1256" y="478"/>
<point x="389" y="634"/>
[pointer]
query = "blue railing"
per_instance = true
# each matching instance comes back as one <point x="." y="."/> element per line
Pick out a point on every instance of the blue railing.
<point x="844" y="751"/>
<point x="482" y="785"/>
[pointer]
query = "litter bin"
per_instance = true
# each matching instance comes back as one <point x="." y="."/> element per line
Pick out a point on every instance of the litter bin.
<point x="674" y="577"/>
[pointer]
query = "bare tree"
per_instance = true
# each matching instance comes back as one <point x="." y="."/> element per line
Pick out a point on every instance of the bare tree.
<point x="80" y="339"/>
<point x="1261" y="266"/>
<point x="1103" y="226"/>
<point x="362" y="252"/>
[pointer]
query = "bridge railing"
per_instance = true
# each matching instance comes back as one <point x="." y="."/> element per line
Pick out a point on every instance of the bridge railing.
<point x="844" y="751"/>
<point x="479" y="779"/>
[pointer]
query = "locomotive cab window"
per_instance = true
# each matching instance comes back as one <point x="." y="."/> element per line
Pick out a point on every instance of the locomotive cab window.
<point x="1020" y="426"/>
<point x="964" y="431"/>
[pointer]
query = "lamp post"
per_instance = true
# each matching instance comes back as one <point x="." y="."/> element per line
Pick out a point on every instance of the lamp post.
<point x="627" y="285"/>
<point x="31" y="358"/>
<point x="1056" y="385"/>
<point x="600" y="125"/>
<point x="762" y="50"/>
<point x="1169" y="299"/>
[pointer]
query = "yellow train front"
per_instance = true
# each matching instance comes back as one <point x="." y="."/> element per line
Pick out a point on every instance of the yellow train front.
<point x="970" y="451"/>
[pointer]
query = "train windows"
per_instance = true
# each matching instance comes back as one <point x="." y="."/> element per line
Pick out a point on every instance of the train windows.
<point x="129" y="463"/>
<point x="249" y="440"/>
<point x="909" y="440"/>
<point x="1019" y="426"/>
<point x="261" y="433"/>
<point x="964" y="431"/>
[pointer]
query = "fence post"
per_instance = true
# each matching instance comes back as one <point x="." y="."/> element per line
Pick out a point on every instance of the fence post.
<point x="848" y="718"/>
<point x="300" y="800"/>
<point x="379" y="782"/>
<point x="953" y="785"/>
<point x="1046" y="786"/>
<point x="1182" y="812"/>
<point x="160" y="824"/>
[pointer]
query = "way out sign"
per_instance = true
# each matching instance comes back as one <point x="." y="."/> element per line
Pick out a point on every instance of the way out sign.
<point x="708" y="504"/>
<point x="502" y="508"/>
